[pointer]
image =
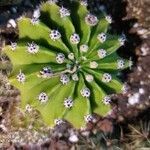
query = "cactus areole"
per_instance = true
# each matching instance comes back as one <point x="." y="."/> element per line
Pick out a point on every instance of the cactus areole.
<point x="65" y="63"/>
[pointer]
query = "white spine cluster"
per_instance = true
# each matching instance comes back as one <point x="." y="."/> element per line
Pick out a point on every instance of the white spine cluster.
<point x="106" y="77"/>
<point x="109" y="19"/>
<point x="101" y="53"/>
<point x="58" y="121"/>
<point x="35" y="21"/>
<point x="21" y="77"/>
<point x="88" y="118"/>
<point x="60" y="58"/>
<point x="74" y="38"/>
<point x="28" y="108"/>
<point x="46" y="72"/>
<point x="68" y="103"/>
<point x="55" y="35"/>
<point x="89" y="78"/>
<point x="32" y="48"/>
<point x="75" y="77"/>
<point x="11" y="23"/>
<point x="106" y="100"/>
<point x="124" y="88"/>
<point x="71" y="56"/>
<point x="120" y="64"/>
<point x="64" y="12"/>
<point x="64" y="79"/>
<point x="122" y="40"/>
<point x="91" y="20"/>
<point x="93" y="64"/>
<point x="84" y="48"/>
<point x="102" y="37"/>
<point x="43" y="97"/>
<point x="85" y="92"/>
<point x="13" y="46"/>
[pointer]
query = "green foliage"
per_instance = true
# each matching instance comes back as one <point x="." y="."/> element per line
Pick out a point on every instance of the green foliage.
<point x="65" y="63"/>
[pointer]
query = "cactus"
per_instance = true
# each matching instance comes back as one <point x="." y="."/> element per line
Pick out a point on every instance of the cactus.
<point x="65" y="63"/>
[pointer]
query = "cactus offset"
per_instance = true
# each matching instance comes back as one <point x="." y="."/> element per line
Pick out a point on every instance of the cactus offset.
<point x="65" y="63"/>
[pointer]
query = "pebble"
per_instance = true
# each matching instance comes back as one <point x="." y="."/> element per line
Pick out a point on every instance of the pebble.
<point x="14" y="10"/>
<point x="1" y="111"/>
<point x="36" y="13"/>
<point x="134" y="99"/>
<point x="85" y="133"/>
<point x="11" y="23"/>
<point x="73" y="138"/>
<point x="144" y="50"/>
<point x="3" y="127"/>
<point x="139" y="68"/>
<point x="141" y="91"/>
<point x="141" y="31"/>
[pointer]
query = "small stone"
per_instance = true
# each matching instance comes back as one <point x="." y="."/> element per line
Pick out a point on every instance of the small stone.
<point x="141" y="91"/>
<point x="145" y="49"/>
<point x="142" y="31"/>
<point x="14" y="10"/>
<point x="73" y="138"/>
<point x="36" y="13"/>
<point x="3" y="128"/>
<point x="134" y="99"/>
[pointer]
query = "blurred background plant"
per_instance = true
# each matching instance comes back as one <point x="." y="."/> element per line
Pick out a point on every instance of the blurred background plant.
<point x="9" y="2"/>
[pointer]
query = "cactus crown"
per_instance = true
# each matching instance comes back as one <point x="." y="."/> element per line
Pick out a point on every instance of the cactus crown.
<point x="65" y="63"/>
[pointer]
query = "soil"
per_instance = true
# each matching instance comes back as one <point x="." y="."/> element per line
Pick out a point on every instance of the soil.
<point x="130" y="17"/>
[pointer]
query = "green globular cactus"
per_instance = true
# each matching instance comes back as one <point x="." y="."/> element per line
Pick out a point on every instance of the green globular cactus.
<point x="65" y="63"/>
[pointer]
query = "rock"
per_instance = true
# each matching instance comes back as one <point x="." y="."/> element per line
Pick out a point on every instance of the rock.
<point x="73" y="138"/>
